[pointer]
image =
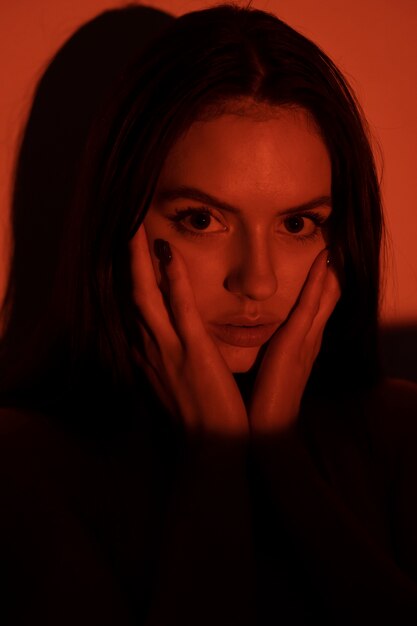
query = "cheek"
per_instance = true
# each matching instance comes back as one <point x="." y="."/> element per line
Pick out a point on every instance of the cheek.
<point x="291" y="272"/>
<point x="207" y="274"/>
<point x="296" y="274"/>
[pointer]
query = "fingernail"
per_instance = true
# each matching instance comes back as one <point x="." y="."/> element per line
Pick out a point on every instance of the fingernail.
<point x="162" y="250"/>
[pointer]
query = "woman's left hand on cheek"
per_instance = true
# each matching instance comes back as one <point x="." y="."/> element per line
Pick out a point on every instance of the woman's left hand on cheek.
<point x="289" y="358"/>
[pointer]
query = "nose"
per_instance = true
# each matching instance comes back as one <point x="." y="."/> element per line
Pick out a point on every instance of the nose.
<point x="252" y="272"/>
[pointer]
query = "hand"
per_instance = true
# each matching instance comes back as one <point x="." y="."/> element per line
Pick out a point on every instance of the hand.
<point x="178" y="356"/>
<point x="291" y="352"/>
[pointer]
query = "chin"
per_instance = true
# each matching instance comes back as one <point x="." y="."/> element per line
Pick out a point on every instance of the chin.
<point x="239" y="360"/>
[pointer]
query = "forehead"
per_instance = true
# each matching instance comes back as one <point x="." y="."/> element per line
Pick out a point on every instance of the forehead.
<point x="241" y="156"/>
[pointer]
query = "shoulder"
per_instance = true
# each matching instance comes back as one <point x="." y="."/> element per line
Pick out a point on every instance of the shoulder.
<point x="391" y="413"/>
<point x="36" y="452"/>
<point x="57" y="451"/>
<point x="394" y="397"/>
<point x="22" y="429"/>
<point x="397" y="389"/>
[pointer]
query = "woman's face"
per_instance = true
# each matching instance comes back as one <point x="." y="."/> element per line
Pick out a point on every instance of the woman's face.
<point x="244" y="199"/>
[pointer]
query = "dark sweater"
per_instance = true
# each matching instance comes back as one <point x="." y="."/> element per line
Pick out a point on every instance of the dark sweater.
<point x="317" y="525"/>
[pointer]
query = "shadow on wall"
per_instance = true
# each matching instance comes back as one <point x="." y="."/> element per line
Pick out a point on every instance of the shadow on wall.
<point x="398" y="346"/>
<point x="67" y="98"/>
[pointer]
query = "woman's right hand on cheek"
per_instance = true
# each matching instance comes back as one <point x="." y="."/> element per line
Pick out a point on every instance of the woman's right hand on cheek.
<point x="178" y="356"/>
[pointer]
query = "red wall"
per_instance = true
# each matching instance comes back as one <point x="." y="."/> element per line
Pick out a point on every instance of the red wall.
<point x="373" y="41"/>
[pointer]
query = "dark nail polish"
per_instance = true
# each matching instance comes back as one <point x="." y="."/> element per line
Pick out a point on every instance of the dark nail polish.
<point x="162" y="250"/>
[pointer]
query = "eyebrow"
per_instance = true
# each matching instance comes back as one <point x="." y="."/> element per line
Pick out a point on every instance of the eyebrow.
<point x="192" y="193"/>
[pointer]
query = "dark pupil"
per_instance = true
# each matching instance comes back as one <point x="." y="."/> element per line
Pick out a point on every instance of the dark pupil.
<point x="200" y="220"/>
<point x="294" y="224"/>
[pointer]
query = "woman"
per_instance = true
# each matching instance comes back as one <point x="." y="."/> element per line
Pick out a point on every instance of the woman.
<point x="197" y="430"/>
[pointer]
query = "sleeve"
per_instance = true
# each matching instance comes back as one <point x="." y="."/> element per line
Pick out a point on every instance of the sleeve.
<point x="52" y="569"/>
<point x="351" y="577"/>
<point x="206" y="570"/>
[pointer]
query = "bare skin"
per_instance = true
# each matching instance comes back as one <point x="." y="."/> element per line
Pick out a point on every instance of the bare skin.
<point x="254" y="262"/>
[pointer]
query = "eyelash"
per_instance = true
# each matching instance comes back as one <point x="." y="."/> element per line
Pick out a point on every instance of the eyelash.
<point x="180" y="214"/>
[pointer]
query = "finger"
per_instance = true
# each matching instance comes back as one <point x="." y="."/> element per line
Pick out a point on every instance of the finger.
<point x="182" y="302"/>
<point x="146" y="292"/>
<point x="331" y="293"/>
<point x="330" y="296"/>
<point x="144" y="279"/>
<point x="308" y="303"/>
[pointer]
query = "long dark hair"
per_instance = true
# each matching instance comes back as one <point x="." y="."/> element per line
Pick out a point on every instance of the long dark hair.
<point x="202" y="61"/>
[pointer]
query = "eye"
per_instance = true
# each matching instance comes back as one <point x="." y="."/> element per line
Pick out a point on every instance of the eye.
<point x="303" y="227"/>
<point x="294" y="224"/>
<point x="200" y="220"/>
<point x="190" y="221"/>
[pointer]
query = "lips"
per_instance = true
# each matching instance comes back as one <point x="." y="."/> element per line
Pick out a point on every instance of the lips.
<point x="249" y="335"/>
